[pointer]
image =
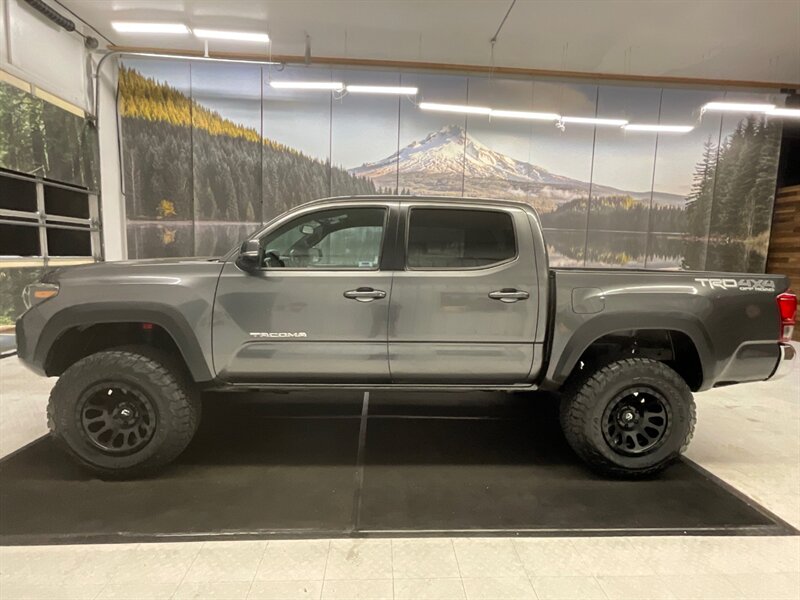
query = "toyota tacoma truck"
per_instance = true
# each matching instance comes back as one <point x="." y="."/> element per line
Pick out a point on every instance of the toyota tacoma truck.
<point x="402" y="293"/>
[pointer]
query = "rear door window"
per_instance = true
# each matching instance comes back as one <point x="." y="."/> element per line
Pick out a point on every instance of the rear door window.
<point x="455" y="238"/>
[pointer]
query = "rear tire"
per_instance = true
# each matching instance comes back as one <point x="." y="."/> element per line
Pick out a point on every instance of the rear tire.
<point x="123" y="413"/>
<point x="630" y="418"/>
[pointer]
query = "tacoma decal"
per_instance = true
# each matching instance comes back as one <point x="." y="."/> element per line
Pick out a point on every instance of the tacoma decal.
<point x="744" y="285"/>
<point x="278" y="334"/>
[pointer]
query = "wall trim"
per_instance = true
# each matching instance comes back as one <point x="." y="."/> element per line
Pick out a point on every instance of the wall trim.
<point x="461" y="68"/>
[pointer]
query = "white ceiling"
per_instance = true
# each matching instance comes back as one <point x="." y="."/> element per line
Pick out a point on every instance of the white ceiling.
<point x="755" y="40"/>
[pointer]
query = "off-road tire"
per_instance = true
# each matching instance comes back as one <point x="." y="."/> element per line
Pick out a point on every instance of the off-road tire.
<point x="587" y="396"/>
<point x="168" y="389"/>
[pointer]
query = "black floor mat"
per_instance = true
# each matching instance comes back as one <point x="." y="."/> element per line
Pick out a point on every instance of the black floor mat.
<point x="432" y="463"/>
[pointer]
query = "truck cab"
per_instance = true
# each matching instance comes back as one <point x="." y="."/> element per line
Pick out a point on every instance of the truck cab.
<point x="386" y="291"/>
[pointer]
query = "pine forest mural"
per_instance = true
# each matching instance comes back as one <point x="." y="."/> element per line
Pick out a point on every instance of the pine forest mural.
<point x="211" y="153"/>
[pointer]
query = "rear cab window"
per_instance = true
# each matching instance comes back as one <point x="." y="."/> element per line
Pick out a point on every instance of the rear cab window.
<point x="459" y="238"/>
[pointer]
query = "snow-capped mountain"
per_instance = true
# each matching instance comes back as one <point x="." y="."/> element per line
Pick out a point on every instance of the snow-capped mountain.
<point x="437" y="163"/>
<point x="450" y="150"/>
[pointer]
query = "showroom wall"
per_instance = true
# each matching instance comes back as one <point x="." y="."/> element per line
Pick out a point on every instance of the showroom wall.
<point x="211" y="150"/>
<point x="49" y="161"/>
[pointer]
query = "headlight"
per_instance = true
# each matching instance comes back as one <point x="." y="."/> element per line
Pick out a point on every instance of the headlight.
<point x="38" y="292"/>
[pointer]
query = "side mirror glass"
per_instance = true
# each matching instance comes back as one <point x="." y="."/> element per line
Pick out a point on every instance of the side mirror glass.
<point x="251" y="256"/>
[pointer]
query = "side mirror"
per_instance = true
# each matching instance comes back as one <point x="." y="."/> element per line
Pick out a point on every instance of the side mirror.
<point x="251" y="256"/>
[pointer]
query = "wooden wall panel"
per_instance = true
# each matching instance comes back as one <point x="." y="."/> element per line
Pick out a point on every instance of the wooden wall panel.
<point x="784" y="244"/>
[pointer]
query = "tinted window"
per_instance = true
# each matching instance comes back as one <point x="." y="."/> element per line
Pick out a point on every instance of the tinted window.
<point x="17" y="194"/>
<point x="457" y="239"/>
<point x="19" y="240"/>
<point x="67" y="203"/>
<point x="343" y="238"/>
<point x="69" y="242"/>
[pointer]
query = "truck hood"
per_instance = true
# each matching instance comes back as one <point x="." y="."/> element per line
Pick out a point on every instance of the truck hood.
<point x="154" y="266"/>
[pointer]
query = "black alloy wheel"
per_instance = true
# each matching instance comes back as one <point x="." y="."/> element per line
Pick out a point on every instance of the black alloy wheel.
<point x="636" y="421"/>
<point x="117" y="418"/>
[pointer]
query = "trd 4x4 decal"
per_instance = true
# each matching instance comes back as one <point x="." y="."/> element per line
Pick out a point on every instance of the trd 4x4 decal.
<point x="744" y="285"/>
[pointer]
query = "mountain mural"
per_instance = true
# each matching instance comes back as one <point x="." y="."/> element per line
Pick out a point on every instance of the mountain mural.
<point x="197" y="179"/>
<point x="439" y="162"/>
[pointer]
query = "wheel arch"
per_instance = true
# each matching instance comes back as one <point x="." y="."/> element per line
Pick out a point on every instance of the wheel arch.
<point x="55" y="350"/>
<point x="689" y="342"/>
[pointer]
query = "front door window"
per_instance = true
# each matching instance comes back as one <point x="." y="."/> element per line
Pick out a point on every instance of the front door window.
<point x="341" y="238"/>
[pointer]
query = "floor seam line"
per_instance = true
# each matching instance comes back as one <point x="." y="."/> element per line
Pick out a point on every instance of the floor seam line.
<point x="189" y="568"/>
<point x="355" y="518"/>
<point x="258" y="568"/>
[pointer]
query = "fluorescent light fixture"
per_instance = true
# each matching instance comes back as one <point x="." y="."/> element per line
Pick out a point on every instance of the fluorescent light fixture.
<point x="127" y="27"/>
<point x="336" y="86"/>
<point x="659" y="128"/>
<point x="739" y="107"/>
<point x="456" y="108"/>
<point x="521" y="114"/>
<point x="784" y="112"/>
<point x="381" y="89"/>
<point x="241" y="36"/>
<point x="594" y="121"/>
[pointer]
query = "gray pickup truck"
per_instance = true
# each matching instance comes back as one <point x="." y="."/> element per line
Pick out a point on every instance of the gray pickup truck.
<point x="401" y="293"/>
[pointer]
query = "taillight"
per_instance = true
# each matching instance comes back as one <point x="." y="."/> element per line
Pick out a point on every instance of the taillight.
<point x="787" y="307"/>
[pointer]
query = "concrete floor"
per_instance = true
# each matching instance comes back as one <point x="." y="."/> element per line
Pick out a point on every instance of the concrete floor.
<point x="748" y="435"/>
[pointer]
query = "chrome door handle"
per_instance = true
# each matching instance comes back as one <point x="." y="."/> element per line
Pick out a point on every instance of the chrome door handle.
<point x="365" y="294"/>
<point x="509" y="295"/>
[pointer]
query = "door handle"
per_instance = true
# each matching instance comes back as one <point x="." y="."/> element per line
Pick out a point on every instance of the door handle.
<point x="509" y="295"/>
<point x="365" y="294"/>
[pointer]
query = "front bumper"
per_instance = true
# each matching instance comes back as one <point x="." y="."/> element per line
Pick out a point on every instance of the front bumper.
<point x="29" y="327"/>
<point x="785" y="362"/>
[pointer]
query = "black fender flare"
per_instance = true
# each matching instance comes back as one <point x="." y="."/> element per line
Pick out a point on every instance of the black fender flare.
<point x="96" y="313"/>
<point x="602" y="325"/>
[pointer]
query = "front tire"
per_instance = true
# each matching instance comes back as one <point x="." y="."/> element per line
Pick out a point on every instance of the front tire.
<point x="123" y="413"/>
<point x="630" y="418"/>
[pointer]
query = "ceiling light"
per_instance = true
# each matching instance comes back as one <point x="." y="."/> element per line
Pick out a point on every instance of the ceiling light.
<point x="784" y="112"/>
<point x="660" y="128"/>
<point x="739" y="107"/>
<point x="594" y="121"/>
<point x="456" y="108"/>
<point x="336" y="86"/>
<point x="241" y="36"/>
<point x="521" y="114"/>
<point x="381" y="89"/>
<point x="126" y="27"/>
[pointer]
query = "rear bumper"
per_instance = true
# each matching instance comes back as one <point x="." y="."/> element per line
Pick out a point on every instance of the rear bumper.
<point x="785" y="362"/>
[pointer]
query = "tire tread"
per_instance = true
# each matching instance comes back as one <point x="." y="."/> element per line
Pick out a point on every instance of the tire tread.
<point x="578" y="400"/>
<point x="181" y="400"/>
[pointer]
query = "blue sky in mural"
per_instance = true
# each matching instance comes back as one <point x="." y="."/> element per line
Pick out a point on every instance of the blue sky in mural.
<point x="678" y="154"/>
<point x="539" y="143"/>
<point x="364" y="125"/>
<point x="298" y="118"/>
<point x="233" y="91"/>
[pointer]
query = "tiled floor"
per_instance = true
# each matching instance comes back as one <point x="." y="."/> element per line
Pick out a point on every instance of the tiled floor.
<point x="748" y="435"/>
